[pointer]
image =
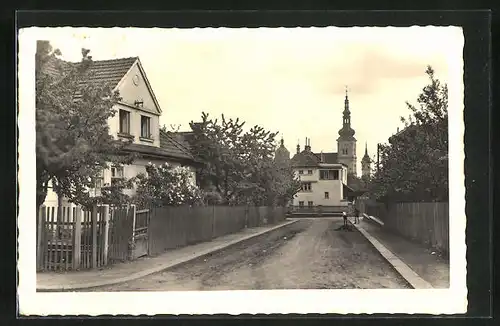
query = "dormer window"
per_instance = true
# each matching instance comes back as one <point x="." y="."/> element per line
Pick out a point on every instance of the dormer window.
<point x="145" y="127"/>
<point x="124" y="122"/>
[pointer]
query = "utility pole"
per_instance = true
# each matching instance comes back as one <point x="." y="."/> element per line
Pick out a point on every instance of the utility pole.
<point x="378" y="157"/>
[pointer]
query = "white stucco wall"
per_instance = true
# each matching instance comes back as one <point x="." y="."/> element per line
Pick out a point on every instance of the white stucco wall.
<point x="319" y="187"/>
<point x="135" y="125"/>
<point x="130" y="93"/>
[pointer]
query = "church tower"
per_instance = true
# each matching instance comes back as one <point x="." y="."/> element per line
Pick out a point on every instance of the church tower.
<point x="366" y="163"/>
<point x="346" y="143"/>
<point x="282" y="155"/>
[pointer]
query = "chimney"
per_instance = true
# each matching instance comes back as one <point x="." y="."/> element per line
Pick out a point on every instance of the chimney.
<point x="308" y="145"/>
<point x="322" y="158"/>
<point x="398" y="129"/>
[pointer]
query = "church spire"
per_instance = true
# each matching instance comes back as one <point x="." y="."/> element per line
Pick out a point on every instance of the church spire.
<point x="366" y="157"/>
<point x="346" y="102"/>
<point x="346" y="131"/>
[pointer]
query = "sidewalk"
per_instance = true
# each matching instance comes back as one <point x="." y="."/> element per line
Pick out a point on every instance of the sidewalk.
<point x="430" y="267"/>
<point x="127" y="271"/>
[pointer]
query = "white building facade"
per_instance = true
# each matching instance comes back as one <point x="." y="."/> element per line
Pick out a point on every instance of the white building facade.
<point x="323" y="179"/>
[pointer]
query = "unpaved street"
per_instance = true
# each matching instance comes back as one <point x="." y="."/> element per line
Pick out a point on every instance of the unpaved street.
<point x="309" y="254"/>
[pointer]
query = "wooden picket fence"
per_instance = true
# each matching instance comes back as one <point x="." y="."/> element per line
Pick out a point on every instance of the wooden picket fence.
<point x="71" y="238"/>
<point x="174" y="227"/>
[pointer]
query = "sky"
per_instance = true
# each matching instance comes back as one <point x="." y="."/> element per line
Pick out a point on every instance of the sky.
<point x="287" y="80"/>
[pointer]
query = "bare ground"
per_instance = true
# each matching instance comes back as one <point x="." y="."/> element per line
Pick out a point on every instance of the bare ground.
<point x="309" y="254"/>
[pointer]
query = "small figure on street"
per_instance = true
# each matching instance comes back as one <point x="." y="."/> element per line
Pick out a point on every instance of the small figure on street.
<point x="356" y="216"/>
<point x="344" y="216"/>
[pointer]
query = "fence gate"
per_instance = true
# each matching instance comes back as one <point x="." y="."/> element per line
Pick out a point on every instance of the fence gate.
<point x="140" y="234"/>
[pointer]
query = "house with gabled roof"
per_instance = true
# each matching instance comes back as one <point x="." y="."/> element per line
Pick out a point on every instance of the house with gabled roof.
<point x="137" y="119"/>
<point x="323" y="179"/>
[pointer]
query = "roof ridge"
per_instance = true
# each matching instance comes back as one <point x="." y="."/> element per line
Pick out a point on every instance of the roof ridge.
<point x="105" y="60"/>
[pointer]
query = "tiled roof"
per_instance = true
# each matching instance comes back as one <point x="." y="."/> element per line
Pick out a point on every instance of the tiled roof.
<point x="169" y="149"/>
<point x="306" y="158"/>
<point x="109" y="71"/>
<point x="100" y="71"/>
<point x="330" y="158"/>
<point x="172" y="143"/>
<point x="182" y="138"/>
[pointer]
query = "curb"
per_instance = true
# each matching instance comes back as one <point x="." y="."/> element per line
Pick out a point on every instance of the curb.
<point x="374" y="219"/>
<point x="162" y="267"/>
<point x="404" y="270"/>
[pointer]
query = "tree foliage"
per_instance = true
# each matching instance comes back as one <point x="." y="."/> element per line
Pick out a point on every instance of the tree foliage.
<point x="239" y="166"/>
<point x="73" y="144"/>
<point x="414" y="164"/>
<point x="166" y="185"/>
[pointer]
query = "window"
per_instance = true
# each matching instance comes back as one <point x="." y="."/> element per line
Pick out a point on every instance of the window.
<point x="301" y="204"/>
<point x="116" y="174"/>
<point x="327" y="195"/>
<point x="99" y="181"/>
<point x="329" y="174"/>
<point x="309" y="171"/>
<point x="124" y="122"/>
<point x="345" y="151"/>
<point x="310" y="203"/>
<point x="301" y="171"/>
<point x="306" y="186"/>
<point x="145" y="127"/>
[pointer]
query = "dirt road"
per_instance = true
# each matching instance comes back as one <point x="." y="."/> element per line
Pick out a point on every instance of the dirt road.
<point x="309" y="254"/>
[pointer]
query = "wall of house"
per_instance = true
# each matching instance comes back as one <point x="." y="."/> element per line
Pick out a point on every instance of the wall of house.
<point x="130" y="92"/>
<point x="318" y="189"/>
<point x="135" y="125"/>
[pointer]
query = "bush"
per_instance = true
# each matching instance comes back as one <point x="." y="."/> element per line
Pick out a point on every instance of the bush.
<point x="165" y="185"/>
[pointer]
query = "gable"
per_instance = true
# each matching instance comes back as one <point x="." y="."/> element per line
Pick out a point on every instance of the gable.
<point x="134" y="86"/>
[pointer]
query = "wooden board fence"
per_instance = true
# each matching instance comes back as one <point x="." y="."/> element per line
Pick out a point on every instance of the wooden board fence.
<point x="427" y="223"/>
<point x="121" y="224"/>
<point x="174" y="227"/>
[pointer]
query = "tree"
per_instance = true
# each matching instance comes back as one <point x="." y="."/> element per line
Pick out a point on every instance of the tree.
<point x="166" y="185"/>
<point x="414" y="164"/>
<point x="73" y="143"/>
<point x="239" y="166"/>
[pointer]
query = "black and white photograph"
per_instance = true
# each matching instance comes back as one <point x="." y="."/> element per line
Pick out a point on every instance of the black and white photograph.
<point x="261" y="170"/>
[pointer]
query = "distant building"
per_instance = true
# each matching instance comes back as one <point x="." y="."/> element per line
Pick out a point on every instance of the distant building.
<point x="282" y="155"/>
<point x="366" y="163"/>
